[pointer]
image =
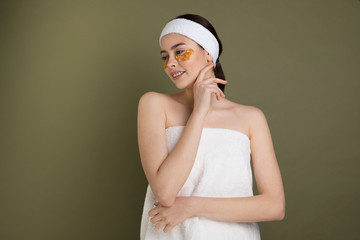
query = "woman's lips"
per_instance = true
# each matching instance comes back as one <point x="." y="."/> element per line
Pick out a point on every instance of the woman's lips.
<point x="177" y="75"/>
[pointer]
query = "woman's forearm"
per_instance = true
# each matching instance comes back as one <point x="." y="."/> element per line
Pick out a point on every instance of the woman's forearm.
<point x="176" y="168"/>
<point x="239" y="209"/>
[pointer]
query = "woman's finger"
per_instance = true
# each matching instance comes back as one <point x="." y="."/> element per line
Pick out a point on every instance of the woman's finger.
<point x="155" y="219"/>
<point x="167" y="228"/>
<point x="215" y="80"/>
<point x="154" y="211"/>
<point x="214" y="87"/>
<point x="216" y="90"/>
<point x="160" y="224"/>
<point x="219" y="93"/>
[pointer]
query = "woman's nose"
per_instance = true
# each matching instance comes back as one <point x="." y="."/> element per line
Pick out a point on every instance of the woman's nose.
<point x="171" y="62"/>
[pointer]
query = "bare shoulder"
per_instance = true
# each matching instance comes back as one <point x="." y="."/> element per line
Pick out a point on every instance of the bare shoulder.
<point x="253" y="112"/>
<point x="155" y="103"/>
<point x="245" y="111"/>
<point x="157" y="97"/>
<point x="251" y="116"/>
<point x="150" y="110"/>
<point x="256" y="119"/>
<point x="152" y="96"/>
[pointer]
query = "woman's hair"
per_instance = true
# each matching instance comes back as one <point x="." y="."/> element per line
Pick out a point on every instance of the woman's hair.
<point x="205" y="23"/>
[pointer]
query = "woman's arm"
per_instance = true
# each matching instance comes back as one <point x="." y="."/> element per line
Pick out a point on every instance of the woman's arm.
<point x="242" y="209"/>
<point x="270" y="203"/>
<point x="166" y="173"/>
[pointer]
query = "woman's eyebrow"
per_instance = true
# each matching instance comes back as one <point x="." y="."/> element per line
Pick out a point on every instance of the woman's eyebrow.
<point x="176" y="45"/>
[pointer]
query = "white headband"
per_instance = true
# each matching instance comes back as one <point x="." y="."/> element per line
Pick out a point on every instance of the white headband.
<point x="194" y="31"/>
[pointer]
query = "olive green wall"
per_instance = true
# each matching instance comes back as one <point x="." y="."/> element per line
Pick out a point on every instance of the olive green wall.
<point x="71" y="75"/>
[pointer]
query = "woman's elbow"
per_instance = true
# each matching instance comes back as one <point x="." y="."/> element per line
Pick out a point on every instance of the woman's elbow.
<point x="276" y="209"/>
<point x="166" y="200"/>
<point x="280" y="213"/>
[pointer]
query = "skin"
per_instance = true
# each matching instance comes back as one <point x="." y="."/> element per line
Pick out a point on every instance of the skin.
<point x="202" y="104"/>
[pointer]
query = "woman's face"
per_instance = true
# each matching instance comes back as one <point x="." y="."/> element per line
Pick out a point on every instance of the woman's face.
<point x="179" y="59"/>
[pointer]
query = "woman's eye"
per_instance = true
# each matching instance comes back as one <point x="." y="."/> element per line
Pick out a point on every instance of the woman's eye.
<point x="178" y="52"/>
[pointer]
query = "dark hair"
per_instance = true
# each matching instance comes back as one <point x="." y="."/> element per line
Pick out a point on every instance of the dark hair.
<point x="205" y="23"/>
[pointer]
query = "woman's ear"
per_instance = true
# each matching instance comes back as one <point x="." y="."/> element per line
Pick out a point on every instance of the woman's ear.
<point x="209" y="58"/>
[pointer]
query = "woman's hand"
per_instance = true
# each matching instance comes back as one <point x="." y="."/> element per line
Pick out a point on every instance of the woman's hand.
<point x="169" y="217"/>
<point x="204" y="87"/>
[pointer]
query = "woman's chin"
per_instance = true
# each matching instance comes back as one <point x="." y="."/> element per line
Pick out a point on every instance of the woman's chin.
<point x="183" y="84"/>
<point x="178" y="86"/>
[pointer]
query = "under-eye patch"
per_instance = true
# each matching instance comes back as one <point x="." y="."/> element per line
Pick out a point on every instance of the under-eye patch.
<point x="185" y="56"/>
<point x="182" y="57"/>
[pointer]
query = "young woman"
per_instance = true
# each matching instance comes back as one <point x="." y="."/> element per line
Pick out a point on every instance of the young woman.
<point x="195" y="147"/>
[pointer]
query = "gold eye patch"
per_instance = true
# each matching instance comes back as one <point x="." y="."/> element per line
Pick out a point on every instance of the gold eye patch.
<point x="183" y="57"/>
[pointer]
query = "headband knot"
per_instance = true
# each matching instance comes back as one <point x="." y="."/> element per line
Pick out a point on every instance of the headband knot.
<point x="195" y="32"/>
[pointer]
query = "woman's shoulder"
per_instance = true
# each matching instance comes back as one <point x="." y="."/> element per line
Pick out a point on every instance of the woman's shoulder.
<point x="156" y="95"/>
<point x="157" y="100"/>
<point x="163" y="100"/>
<point x="153" y="97"/>
<point x="244" y="109"/>
<point x="250" y="116"/>
<point x="249" y="113"/>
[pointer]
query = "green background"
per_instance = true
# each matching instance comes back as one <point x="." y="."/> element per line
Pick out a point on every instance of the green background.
<point x="71" y="75"/>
